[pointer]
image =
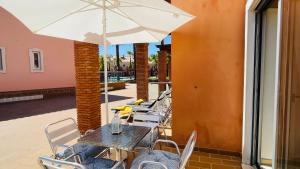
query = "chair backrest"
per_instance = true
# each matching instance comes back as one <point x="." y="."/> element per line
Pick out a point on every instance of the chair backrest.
<point x="168" y="93"/>
<point x="160" y="102"/>
<point x="61" y="133"/>
<point x="167" y="115"/>
<point x="156" y="101"/>
<point x="49" y="163"/>
<point x="169" y="96"/>
<point x="188" y="150"/>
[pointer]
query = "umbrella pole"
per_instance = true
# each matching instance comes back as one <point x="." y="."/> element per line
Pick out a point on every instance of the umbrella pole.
<point x="105" y="62"/>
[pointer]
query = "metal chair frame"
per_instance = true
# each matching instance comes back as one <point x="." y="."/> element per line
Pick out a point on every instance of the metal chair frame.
<point x="61" y="136"/>
<point x="184" y="156"/>
<point x="50" y="163"/>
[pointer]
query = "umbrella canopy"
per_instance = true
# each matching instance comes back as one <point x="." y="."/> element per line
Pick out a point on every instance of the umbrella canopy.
<point x="99" y="21"/>
<point x="127" y="21"/>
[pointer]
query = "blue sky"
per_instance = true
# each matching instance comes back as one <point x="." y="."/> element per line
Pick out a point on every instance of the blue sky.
<point x="111" y="50"/>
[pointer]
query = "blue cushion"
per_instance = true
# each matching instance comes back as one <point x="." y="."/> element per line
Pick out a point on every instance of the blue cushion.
<point x="84" y="150"/>
<point x="170" y="160"/>
<point x="100" y="163"/>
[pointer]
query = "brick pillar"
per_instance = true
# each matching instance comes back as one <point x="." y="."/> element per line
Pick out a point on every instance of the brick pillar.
<point x="162" y="69"/>
<point x="87" y="86"/>
<point x="142" y="70"/>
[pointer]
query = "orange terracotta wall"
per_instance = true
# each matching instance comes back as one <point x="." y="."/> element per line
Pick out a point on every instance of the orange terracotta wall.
<point x="207" y="74"/>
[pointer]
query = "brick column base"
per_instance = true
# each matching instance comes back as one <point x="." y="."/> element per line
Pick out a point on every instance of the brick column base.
<point x="162" y="69"/>
<point x="142" y="70"/>
<point x="87" y="86"/>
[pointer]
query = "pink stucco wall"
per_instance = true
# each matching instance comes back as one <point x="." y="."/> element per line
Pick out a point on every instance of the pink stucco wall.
<point x="59" y="69"/>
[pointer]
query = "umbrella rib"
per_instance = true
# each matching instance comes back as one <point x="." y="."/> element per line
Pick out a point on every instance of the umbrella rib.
<point x="69" y="14"/>
<point x="107" y="7"/>
<point x="137" y="4"/>
<point x="122" y="14"/>
<point x="97" y="5"/>
<point x="128" y="17"/>
<point x="89" y="9"/>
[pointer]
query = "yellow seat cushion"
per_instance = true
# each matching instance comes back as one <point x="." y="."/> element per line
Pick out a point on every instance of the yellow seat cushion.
<point x="138" y="102"/>
<point x="119" y="108"/>
<point x="124" y="110"/>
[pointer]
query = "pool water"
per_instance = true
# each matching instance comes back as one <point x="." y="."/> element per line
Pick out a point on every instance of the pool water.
<point x="121" y="78"/>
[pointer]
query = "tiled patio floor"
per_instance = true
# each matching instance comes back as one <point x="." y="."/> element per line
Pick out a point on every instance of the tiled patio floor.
<point x="204" y="160"/>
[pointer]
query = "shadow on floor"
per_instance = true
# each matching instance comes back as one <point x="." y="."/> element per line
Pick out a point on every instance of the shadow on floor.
<point x="9" y="111"/>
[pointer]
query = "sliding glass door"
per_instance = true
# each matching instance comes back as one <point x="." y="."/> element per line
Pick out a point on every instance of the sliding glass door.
<point x="288" y="124"/>
<point x="268" y="101"/>
<point x="266" y="84"/>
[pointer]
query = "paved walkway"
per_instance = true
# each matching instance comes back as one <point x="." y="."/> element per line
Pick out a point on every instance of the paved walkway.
<point x="22" y="137"/>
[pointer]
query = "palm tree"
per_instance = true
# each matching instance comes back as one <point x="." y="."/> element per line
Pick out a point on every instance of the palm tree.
<point x="101" y="63"/>
<point x="118" y="58"/>
<point x="130" y="54"/>
<point x="116" y="63"/>
<point x="154" y="59"/>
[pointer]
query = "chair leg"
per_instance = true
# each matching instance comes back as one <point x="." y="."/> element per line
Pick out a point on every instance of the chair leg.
<point x="108" y="153"/>
<point x="165" y="133"/>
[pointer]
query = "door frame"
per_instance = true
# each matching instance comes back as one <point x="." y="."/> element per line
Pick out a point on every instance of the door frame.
<point x="250" y="129"/>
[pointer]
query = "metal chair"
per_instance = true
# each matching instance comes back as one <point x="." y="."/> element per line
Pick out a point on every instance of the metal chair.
<point x="62" y="137"/>
<point x="163" y="117"/>
<point x="90" y="163"/>
<point x="158" y="104"/>
<point x="158" y="159"/>
<point x="149" y="103"/>
<point x="151" y="121"/>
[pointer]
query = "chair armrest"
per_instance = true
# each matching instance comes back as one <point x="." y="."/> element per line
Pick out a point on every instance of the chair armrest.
<point x="89" y="131"/>
<point x="151" y="162"/>
<point x="167" y="141"/>
<point x="77" y="157"/>
<point x="67" y="147"/>
<point x="52" y="162"/>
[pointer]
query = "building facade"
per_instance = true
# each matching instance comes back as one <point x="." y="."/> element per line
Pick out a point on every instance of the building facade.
<point x="240" y="99"/>
<point x="32" y="64"/>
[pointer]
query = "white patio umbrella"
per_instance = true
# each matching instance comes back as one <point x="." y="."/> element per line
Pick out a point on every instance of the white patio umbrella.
<point x="99" y="21"/>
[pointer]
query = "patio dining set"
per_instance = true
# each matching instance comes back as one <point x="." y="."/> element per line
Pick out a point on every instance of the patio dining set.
<point x="142" y="129"/>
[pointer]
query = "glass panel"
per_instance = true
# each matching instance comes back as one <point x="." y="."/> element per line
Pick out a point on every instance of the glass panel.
<point x="37" y="60"/>
<point x="268" y="80"/>
<point x="1" y="60"/>
<point x="288" y="140"/>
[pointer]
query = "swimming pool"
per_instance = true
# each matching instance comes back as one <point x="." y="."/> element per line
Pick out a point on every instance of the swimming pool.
<point x="120" y="79"/>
